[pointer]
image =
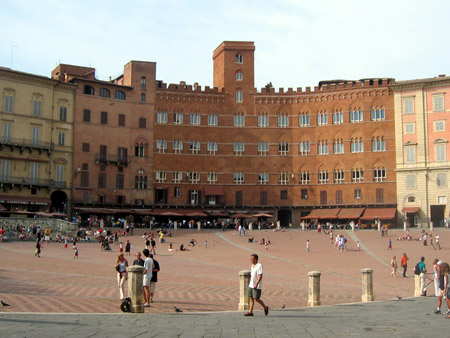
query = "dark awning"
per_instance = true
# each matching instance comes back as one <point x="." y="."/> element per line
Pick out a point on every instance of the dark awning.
<point x="214" y="191"/>
<point x="411" y="210"/>
<point x="350" y="213"/>
<point x="379" y="213"/>
<point x="323" y="214"/>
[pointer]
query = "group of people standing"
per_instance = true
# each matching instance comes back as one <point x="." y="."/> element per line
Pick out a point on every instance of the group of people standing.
<point x="150" y="274"/>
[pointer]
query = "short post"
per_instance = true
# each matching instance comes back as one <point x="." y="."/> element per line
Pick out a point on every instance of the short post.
<point x="417" y="291"/>
<point x="431" y="226"/>
<point x="404" y="226"/>
<point x="199" y="226"/>
<point x="175" y="225"/>
<point x="244" y="281"/>
<point x="136" y="288"/>
<point x="303" y="226"/>
<point x="367" y="285"/>
<point x="314" y="288"/>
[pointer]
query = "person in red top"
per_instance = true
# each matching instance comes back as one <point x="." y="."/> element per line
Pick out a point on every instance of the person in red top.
<point x="2" y="234"/>
<point x="404" y="263"/>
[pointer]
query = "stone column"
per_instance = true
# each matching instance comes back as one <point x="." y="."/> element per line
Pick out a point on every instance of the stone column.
<point x="136" y="288"/>
<point x="199" y="225"/>
<point x="367" y="285"/>
<point x="175" y="225"/>
<point x="314" y="288"/>
<point x="244" y="280"/>
<point x="417" y="291"/>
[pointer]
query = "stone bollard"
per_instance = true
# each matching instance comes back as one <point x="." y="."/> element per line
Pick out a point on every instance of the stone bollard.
<point x="431" y="226"/>
<point x="199" y="226"/>
<point x="417" y="291"/>
<point x="244" y="280"/>
<point x="405" y="226"/>
<point x="175" y="225"/>
<point x="314" y="288"/>
<point x="136" y="288"/>
<point x="367" y="285"/>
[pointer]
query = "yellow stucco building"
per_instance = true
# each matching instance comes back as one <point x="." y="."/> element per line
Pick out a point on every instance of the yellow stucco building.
<point x="36" y="144"/>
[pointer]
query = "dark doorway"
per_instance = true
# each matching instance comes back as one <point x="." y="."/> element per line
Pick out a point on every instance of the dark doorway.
<point x="437" y="215"/>
<point x="285" y="217"/>
<point x="59" y="202"/>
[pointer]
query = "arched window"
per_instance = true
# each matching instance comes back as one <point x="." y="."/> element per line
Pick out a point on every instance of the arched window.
<point x="239" y="96"/>
<point x="104" y="93"/>
<point x="88" y="90"/>
<point x="239" y="76"/>
<point x="119" y="95"/>
<point x="142" y="97"/>
<point x="143" y="82"/>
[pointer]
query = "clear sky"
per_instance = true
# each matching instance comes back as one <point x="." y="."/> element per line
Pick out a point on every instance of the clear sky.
<point x="298" y="42"/>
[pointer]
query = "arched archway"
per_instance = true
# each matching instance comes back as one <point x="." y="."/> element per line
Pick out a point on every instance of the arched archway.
<point x="59" y="201"/>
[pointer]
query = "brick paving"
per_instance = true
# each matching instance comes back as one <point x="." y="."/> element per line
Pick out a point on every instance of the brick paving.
<point x="207" y="279"/>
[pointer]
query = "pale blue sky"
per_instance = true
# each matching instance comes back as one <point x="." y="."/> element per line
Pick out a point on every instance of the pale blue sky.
<point x="298" y="43"/>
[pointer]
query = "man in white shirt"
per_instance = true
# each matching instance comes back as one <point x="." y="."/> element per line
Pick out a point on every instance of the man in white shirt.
<point x="147" y="276"/>
<point x="254" y="288"/>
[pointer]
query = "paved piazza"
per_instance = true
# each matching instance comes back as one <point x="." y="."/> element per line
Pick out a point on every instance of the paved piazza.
<point x="206" y="280"/>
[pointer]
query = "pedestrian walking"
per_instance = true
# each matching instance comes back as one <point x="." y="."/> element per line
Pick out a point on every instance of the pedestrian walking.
<point x="128" y="247"/>
<point x="437" y="241"/>
<point x="390" y="245"/>
<point x="404" y="263"/>
<point x="255" y="286"/>
<point x="308" y="246"/>
<point x="443" y="291"/>
<point x="394" y="266"/>
<point x="122" y="275"/>
<point x="75" y="252"/>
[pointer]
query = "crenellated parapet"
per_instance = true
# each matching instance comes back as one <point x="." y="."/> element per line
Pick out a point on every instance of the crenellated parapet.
<point x="184" y="92"/>
<point x="325" y="91"/>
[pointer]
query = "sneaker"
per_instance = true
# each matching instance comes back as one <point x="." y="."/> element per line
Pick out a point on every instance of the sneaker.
<point x="437" y="311"/>
<point x="266" y="310"/>
<point x="447" y="312"/>
<point x="146" y="305"/>
<point x="248" y="314"/>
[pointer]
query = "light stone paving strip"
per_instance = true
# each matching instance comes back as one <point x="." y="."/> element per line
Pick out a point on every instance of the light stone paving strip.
<point x="397" y="318"/>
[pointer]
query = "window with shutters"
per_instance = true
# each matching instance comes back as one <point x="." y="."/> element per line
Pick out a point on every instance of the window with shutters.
<point x="323" y="197"/>
<point x="121" y="120"/>
<point x="263" y="197"/>
<point x="86" y="115"/>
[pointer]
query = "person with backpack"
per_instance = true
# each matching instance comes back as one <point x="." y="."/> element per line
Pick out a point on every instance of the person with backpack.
<point x="421" y="270"/>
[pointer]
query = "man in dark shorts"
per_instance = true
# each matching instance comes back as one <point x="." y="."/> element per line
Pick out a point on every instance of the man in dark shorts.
<point x="254" y="288"/>
<point x="443" y="291"/>
<point x="154" y="278"/>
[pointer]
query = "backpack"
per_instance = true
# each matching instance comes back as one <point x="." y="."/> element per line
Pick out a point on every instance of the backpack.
<point x="417" y="269"/>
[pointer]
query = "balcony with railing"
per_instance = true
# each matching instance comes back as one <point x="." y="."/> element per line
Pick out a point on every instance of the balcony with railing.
<point x="23" y="143"/>
<point x="31" y="181"/>
<point x="114" y="159"/>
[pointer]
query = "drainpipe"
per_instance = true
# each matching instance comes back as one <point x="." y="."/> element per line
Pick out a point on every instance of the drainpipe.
<point x="425" y="154"/>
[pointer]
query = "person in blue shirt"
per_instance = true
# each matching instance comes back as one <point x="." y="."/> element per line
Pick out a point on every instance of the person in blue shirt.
<point x="423" y="271"/>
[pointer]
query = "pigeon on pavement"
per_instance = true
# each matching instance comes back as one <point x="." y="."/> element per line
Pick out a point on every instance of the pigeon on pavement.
<point x="177" y="309"/>
<point x="4" y="304"/>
